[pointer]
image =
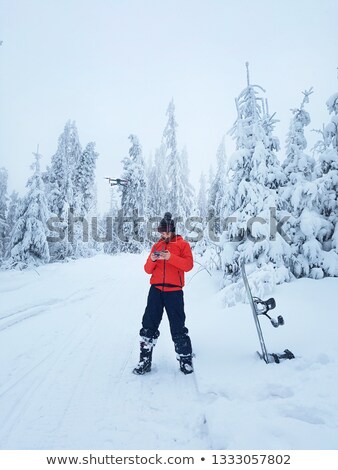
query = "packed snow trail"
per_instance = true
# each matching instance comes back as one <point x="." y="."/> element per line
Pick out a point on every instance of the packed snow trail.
<point x="69" y="341"/>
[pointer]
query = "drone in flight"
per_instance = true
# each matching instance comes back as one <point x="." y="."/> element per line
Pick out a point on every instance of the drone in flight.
<point x="116" y="181"/>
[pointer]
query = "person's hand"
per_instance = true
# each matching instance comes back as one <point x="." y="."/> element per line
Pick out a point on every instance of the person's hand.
<point x="165" y="255"/>
<point x="154" y="257"/>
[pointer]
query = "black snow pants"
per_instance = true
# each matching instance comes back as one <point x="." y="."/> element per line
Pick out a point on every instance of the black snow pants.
<point x="174" y="304"/>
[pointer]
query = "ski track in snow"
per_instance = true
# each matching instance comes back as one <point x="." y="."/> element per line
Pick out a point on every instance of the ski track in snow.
<point x="69" y="341"/>
<point x="33" y="310"/>
<point x="39" y="379"/>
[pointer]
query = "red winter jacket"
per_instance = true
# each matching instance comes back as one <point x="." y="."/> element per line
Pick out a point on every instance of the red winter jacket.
<point x="168" y="275"/>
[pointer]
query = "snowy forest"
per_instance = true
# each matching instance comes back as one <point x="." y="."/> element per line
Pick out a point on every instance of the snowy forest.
<point x="272" y="206"/>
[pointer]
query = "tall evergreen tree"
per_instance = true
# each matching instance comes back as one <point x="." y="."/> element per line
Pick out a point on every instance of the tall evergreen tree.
<point x="218" y="185"/>
<point x="157" y="184"/>
<point x="3" y="210"/>
<point x="61" y="187"/>
<point x="189" y="201"/>
<point x="298" y="166"/>
<point x="254" y="176"/>
<point x="109" y="223"/>
<point x="299" y="196"/>
<point x="84" y="180"/>
<point x="134" y="195"/>
<point x="28" y="244"/>
<point x="211" y="178"/>
<point x="114" y="203"/>
<point x="274" y="175"/>
<point x="84" y="203"/>
<point x="176" y="188"/>
<point x="63" y="171"/>
<point x="202" y="202"/>
<point x="12" y="216"/>
<point x="325" y="263"/>
<point x="202" y="211"/>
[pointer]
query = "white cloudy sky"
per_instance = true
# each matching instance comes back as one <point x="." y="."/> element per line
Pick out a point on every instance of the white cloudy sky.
<point x="113" y="66"/>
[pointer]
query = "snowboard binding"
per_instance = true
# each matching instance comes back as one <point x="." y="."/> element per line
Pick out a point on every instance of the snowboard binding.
<point x="262" y="307"/>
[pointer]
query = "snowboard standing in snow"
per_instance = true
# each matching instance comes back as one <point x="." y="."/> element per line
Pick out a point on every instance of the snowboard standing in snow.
<point x="169" y="259"/>
<point x="261" y="307"/>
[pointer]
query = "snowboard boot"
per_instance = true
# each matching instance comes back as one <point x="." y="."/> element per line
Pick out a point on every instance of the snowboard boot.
<point x="184" y="352"/>
<point x="186" y="364"/>
<point x="146" y="355"/>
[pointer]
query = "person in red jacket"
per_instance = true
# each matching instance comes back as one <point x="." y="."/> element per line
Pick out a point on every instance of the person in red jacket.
<point x="167" y="262"/>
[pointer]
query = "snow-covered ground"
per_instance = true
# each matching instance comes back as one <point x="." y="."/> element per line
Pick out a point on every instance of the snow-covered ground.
<point x="69" y="340"/>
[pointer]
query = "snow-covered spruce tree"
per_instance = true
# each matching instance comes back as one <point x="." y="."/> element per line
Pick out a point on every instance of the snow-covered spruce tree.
<point x="218" y="185"/>
<point x="211" y="177"/>
<point x="3" y="211"/>
<point x="266" y="168"/>
<point x="203" y="211"/>
<point x="84" y="180"/>
<point x="62" y="170"/>
<point x="109" y="225"/>
<point x="61" y="188"/>
<point x="189" y="202"/>
<point x="299" y="196"/>
<point x="84" y="202"/>
<point x="327" y="200"/>
<point x="202" y="200"/>
<point x="211" y="223"/>
<point x="12" y="216"/>
<point x="298" y="165"/>
<point x="28" y="244"/>
<point x="134" y="198"/>
<point x="178" y="198"/>
<point x="157" y="184"/>
<point x="115" y="202"/>
<point x="249" y="205"/>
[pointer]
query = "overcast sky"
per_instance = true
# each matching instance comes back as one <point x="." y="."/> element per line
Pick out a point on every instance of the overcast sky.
<point x="113" y="66"/>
